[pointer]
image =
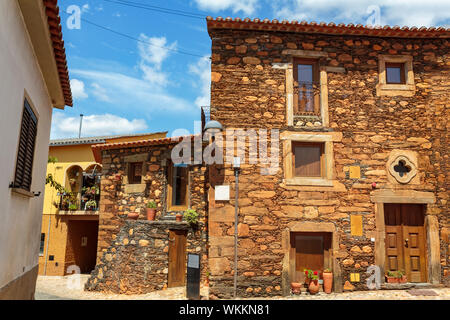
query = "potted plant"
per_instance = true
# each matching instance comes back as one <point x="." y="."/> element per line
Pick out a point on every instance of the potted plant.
<point x="178" y="217"/>
<point x="91" y="205"/>
<point x="73" y="207"/>
<point x="327" y="280"/>
<point x="313" y="276"/>
<point x="401" y="276"/>
<point x="308" y="274"/>
<point x="151" y="210"/>
<point x="133" y="215"/>
<point x="296" y="287"/>
<point x="191" y="216"/>
<point x="391" y="277"/>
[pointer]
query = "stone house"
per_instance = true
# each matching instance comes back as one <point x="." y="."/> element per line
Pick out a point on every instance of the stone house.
<point x="34" y="80"/>
<point x="362" y="115"/>
<point x="69" y="236"/>
<point x="360" y="118"/>
<point x="142" y="256"/>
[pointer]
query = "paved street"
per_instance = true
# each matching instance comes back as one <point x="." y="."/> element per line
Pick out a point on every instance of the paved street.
<point x="67" y="288"/>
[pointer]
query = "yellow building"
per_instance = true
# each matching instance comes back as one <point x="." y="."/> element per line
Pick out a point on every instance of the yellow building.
<point x="70" y="219"/>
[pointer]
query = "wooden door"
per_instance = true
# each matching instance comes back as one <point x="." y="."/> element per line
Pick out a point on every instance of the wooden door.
<point x="405" y="240"/>
<point x="177" y="258"/>
<point x="311" y="251"/>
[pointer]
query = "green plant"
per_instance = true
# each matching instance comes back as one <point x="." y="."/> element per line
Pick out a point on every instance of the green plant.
<point x="73" y="207"/>
<point x="400" y="274"/>
<point x="151" y="205"/>
<point x="391" y="274"/>
<point x="313" y="275"/>
<point x="191" y="216"/>
<point x="91" y="204"/>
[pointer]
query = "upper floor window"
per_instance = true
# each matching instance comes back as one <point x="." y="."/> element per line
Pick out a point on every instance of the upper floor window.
<point x="306" y="87"/>
<point x="395" y="76"/>
<point x="395" y="73"/>
<point x="25" y="153"/>
<point x="178" y="188"/>
<point x="135" y="173"/>
<point x="308" y="159"/>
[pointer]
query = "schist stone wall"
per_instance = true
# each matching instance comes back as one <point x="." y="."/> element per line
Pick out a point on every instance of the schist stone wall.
<point x="249" y="85"/>
<point x="137" y="261"/>
<point x="138" y="250"/>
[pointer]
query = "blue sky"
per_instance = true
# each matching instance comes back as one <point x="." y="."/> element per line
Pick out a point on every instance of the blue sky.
<point x="124" y="86"/>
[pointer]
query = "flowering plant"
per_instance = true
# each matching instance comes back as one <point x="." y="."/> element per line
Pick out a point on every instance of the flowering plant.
<point x="313" y="275"/>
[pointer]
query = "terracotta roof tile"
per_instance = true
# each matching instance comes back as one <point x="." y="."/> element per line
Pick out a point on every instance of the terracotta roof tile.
<point x="326" y="28"/>
<point x="97" y="148"/>
<point x="54" y="24"/>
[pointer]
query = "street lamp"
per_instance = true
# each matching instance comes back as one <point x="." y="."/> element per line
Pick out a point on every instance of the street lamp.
<point x="236" y="167"/>
<point x="212" y="127"/>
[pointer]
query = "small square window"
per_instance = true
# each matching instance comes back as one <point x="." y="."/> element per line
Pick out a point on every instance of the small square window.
<point x="135" y="173"/>
<point x="395" y="73"/>
<point x="308" y="159"/>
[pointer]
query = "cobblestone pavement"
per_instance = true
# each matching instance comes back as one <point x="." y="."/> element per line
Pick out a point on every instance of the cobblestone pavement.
<point x="54" y="288"/>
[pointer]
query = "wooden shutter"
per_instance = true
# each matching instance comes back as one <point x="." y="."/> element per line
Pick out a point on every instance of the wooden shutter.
<point x="25" y="153"/>
<point x="307" y="159"/>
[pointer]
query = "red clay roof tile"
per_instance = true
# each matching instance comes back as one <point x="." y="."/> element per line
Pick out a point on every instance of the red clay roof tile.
<point x="326" y="28"/>
<point x="54" y="24"/>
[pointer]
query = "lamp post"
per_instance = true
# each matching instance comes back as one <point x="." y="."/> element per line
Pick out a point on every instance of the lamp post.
<point x="236" y="167"/>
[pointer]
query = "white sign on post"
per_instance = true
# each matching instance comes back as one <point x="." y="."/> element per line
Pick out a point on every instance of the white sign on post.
<point x="222" y="193"/>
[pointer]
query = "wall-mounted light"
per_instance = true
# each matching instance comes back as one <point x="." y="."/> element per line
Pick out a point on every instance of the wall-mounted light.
<point x="211" y="128"/>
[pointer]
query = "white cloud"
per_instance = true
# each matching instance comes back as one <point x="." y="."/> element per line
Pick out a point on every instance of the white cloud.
<point x="94" y="125"/>
<point x="127" y="91"/>
<point x="77" y="87"/>
<point x="202" y="69"/>
<point x="155" y="50"/>
<point x="245" y="6"/>
<point x="400" y="12"/>
<point x="100" y="92"/>
<point x="152" y="54"/>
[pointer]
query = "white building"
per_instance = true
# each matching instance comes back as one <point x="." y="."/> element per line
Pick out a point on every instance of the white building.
<point x="33" y="80"/>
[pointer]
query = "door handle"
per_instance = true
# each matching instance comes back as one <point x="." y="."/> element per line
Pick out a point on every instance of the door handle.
<point x="406" y="242"/>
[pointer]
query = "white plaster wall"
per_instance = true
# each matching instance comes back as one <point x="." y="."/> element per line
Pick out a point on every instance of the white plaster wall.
<point x="20" y="217"/>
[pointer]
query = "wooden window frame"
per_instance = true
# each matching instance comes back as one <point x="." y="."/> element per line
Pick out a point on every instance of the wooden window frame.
<point x="316" y="85"/>
<point x="405" y="89"/>
<point x="131" y="172"/>
<point x="26" y="149"/>
<point x="171" y="207"/>
<point x="322" y="157"/>
<point x="399" y="65"/>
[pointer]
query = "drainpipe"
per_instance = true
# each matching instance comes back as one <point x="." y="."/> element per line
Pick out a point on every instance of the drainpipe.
<point x="236" y="166"/>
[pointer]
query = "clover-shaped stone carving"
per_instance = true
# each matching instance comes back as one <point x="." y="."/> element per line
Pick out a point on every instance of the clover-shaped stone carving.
<point x="402" y="169"/>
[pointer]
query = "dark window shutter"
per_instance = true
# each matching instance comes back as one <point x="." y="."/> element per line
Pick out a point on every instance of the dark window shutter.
<point x="25" y="154"/>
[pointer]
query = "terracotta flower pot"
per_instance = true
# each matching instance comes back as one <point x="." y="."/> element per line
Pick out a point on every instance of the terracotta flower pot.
<point x="391" y="279"/>
<point x="314" y="286"/>
<point x="403" y="279"/>
<point x="133" y="215"/>
<point x="296" y="287"/>
<point x="151" y="213"/>
<point x="179" y="217"/>
<point x="327" y="281"/>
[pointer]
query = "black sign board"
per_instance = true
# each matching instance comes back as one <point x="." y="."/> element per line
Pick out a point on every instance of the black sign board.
<point x="193" y="277"/>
